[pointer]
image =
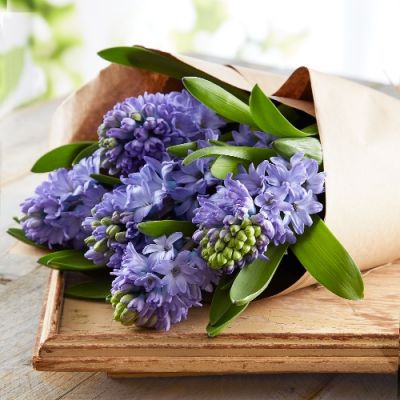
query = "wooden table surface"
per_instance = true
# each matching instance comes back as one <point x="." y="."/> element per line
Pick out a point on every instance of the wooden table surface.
<point x="23" y="136"/>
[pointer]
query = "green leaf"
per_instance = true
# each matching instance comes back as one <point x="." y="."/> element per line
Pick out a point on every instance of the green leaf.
<point x="269" y="119"/>
<point x="328" y="262"/>
<point x="107" y="180"/>
<point x="162" y="63"/>
<point x="251" y="154"/>
<point x="181" y="150"/>
<point x="68" y="260"/>
<point x="311" y="147"/>
<point x="222" y="310"/>
<point x="60" y="157"/>
<point x="97" y="290"/>
<point x="86" y="152"/>
<point x="221" y="301"/>
<point x="224" y="165"/>
<point x="20" y="235"/>
<point x="219" y="100"/>
<point x="232" y="313"/>
<point x="313" y="128"/>
<point x="254" y="278"/>
<point x="166" y="227"/>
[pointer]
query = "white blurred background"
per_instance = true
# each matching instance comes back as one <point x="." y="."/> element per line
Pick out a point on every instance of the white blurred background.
<point x="48" y="47"/>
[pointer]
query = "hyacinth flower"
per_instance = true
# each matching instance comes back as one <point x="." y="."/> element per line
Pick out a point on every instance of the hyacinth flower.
<point x="145" y="126"/>
<point x="269" y="203"/>
<point x="113" y="223"/>
<point x="231" y="233"/>
<point x="245" y="136"/>
<point x="184" y="183"/>
<point x="156" y="287"/>
<point x="53" y="215"/>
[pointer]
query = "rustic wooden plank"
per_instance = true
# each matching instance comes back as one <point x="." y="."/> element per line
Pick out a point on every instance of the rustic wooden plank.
<point x="309" y="330"/>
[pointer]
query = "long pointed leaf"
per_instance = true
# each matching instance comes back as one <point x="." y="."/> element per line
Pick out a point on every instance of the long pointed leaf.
<point x="225" y="165"/>
<point x="107" y="180"/>
<point x="311" y="147"/>
<point x="328" y="262"/>
<point x="166" y="227"/>
<point x="86" y="152"/>
<point x="162" y="63"/>
<point x="269" y="119"/>
<point x="60" y="157"/>
<point x="20" y="235"/>
<point x="68" y="260"/>
<point x="251" y="154"/>
<point x="222" y="310"/>
<point x="181" y="150"/>
<point x="219" y="100"/>
<point x="97" y="290"/>
<point x="254" y="278"/>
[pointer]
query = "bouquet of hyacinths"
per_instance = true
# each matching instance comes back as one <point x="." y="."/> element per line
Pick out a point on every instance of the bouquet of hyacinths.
<point x="205" y="189"/>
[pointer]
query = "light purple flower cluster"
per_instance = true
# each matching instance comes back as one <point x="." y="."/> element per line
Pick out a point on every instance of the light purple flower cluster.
<point x="114" y="220"/>
<point x="146" y="125"/>
<point x="53" y="215"/>
<point x="272" y="202"/>
<point x="156" y="287"/>
<point x="159" y="190"/>
<point x="286" y="193"/>
<point x="245" y="136"/>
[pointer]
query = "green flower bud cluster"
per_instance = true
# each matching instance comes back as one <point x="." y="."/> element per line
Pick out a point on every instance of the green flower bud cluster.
<point x="114" y="231"/>
<point x="119" y="301"/>
<point x="232" y="244"/>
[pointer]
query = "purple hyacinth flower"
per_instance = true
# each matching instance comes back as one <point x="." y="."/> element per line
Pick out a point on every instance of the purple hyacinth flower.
<point x="159" y="292"/>
<point x="185" y="183"/>
<point x="245" y="136"/>
<point x="145" y="126"/>
<point x="54" y="214"/>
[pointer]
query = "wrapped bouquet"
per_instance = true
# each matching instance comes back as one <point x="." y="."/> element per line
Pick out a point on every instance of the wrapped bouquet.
<point x="199" y="181"/>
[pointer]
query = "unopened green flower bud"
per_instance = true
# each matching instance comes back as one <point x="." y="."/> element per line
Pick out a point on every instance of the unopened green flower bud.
<point x="204" y="241"/>
<point x="213" y="261"/>
<point x="227" y="237"/>
<point x="95" y="224"/>
<point x="246" y="222"/>
<point x="236" y="256"/>
<point x="204" y="253"/>
<point x="127" y="298"/>
<point x="245" y="249"/>
<point x="234" y="229"/>
<point x="231" y="243"/>
<point x="257" y="230"/>
<point x="127" y="317"/>
<point x="115" y="298"/>
<point x="251" y="241"/>
<point x="220" y="245"/>
<point x="106" y="221"/>
<point x="238" y="244"/>
<point x="249" y="230"/>
<point x="227" y="252"/>
<point x="90" y="240"/>
<point x="120" y="237"/>
<point x="112" y="230"/>
<point x="221" y="259"/>
<point x="136" y="116"/>
<point x="241" y="236"/>
<point x="100" y="246"/>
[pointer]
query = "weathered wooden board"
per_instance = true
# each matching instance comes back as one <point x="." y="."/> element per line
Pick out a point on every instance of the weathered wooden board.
<point x="309" y="330"/>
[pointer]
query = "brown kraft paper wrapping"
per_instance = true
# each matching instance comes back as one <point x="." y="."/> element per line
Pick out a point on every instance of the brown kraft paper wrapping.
<point x="359" y="130"/>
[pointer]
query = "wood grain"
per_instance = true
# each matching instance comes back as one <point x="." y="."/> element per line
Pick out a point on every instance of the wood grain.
<point x="309" y="330"/>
